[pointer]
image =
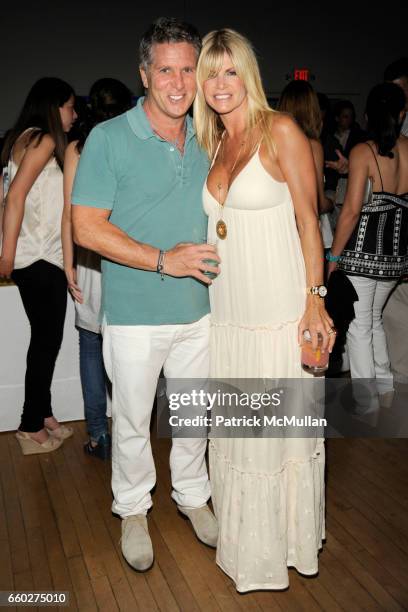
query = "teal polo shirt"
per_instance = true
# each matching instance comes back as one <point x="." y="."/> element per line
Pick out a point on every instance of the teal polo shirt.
<point x="155" y="195"/>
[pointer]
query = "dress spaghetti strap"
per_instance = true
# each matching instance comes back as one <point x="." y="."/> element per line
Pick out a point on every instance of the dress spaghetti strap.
<point x="378" y="166"/>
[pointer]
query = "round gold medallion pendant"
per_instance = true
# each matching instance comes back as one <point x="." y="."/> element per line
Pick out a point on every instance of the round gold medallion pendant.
<point x="221" y="229"/>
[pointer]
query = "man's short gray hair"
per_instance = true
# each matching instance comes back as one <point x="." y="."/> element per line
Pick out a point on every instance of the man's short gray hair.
<point x="167" y="30"/>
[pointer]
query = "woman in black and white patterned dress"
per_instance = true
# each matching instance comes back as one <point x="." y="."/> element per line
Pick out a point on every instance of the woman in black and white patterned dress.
<point x="370" y="243"/>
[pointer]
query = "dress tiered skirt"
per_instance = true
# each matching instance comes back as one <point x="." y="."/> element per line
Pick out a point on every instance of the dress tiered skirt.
<point x="268" y="493"/>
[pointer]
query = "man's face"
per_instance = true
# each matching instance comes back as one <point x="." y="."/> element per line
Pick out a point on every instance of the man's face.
<point x="170" y="79"/>
<point x="403" y="83"/>
<point x="345" y="119"/>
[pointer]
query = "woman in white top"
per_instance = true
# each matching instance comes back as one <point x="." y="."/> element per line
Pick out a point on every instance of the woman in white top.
<point x="108" y="98"/>
<point x="31" y="247"/>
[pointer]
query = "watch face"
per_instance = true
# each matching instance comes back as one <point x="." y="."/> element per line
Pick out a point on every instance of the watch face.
<point x="322" y="291"/>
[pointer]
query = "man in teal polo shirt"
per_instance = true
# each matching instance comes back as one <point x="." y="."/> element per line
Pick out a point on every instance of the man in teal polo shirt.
<point x="137" y="197"/>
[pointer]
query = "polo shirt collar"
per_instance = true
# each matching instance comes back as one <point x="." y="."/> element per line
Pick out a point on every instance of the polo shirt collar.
<point x="140" y="124"/>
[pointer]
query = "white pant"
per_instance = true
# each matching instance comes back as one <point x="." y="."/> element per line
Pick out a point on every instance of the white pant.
<point x="134" y="356"/>
<point x="396" y="330"/>
<point x="366" y="342"/>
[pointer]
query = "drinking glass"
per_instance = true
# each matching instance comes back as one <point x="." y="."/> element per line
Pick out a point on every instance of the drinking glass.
<point x="314" y="361"/>
<point x="210" y="262"/>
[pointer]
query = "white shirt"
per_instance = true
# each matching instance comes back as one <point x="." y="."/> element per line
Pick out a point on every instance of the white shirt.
<point x="40" y="233"/>
<point x="89" y="279"/>
<point x="342" y="137"/>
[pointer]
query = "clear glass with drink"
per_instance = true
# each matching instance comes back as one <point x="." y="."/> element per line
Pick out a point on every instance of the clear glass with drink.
<point x="314" y="361"/>
<point x="211" y="262"/>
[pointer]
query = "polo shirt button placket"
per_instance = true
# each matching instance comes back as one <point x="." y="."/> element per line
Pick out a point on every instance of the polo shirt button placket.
<point x="179" y="167"/>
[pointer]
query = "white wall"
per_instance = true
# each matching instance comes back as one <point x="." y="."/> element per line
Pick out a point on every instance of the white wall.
<point x="14" y="338"/>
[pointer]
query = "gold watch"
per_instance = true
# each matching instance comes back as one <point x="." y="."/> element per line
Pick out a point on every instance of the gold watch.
<point x="319" y="290"/>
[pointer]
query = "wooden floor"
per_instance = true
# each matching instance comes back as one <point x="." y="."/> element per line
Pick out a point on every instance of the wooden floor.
<point x="57" y="533"/>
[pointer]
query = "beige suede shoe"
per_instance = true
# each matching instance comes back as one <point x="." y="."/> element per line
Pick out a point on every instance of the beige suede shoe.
<point x="62" y="432"/>
<point x="204" y="523"/>
<point x="136" y="543"/>
<point x="32" y="447"/>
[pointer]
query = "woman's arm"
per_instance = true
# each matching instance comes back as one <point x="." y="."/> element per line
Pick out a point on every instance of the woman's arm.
<point x="1" y="203"/>
<point x="353" y="202"/>
<point x="33" y="162"/>
<point x="324" y="203"/>
<point x="70" y="166"/>
<point x="295" y="160"/>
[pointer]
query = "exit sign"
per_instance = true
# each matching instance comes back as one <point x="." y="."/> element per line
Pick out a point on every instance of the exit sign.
<point x="301" y="74"/>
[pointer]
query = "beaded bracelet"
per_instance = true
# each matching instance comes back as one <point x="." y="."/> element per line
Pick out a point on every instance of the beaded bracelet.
<point x="332" y="258"/>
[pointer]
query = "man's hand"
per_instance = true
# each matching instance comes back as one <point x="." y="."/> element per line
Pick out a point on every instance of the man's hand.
<point x="341" y="165"/>
<point x="188" y="259"/>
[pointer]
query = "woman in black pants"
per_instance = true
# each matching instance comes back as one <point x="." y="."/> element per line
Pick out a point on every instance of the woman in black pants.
<point x="31" y="250"/>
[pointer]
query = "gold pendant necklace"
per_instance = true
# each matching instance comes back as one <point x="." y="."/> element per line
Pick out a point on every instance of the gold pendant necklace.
<point x="221" y="227"/>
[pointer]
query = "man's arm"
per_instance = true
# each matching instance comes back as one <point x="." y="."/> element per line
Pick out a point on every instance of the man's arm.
<point x="94" y="196"/>
<point x="93" y="230"/>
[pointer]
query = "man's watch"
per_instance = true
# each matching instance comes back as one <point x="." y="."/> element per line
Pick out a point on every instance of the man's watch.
<point x="319" y="290"/>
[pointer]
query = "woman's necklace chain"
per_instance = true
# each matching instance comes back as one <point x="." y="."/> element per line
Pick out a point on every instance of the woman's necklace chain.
<point x="221" y="227"/>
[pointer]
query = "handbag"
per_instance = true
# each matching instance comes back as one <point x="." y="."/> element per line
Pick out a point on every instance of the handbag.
<point x="339" y="302"/>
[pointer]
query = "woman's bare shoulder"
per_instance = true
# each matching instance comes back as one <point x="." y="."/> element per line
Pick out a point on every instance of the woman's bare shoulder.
<point x="282" y="124"/>
<point x="43" y="143"/>
<point x="31" y="145"/>
<point x="361" y="151"/>
<point x="72" y="149"/>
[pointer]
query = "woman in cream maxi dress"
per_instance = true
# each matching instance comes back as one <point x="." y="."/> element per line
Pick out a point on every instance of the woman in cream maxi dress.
<point x="268" y="494"/>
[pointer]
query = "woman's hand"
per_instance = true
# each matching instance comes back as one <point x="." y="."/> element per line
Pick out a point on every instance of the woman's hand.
<point x="6" y="267"/>
<point x="73" y="287"/>
<point x="331" y="267"/>
<point x="317" y="321"/>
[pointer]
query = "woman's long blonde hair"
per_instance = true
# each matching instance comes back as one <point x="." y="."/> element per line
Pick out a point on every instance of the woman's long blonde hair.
<point x="208" y="125"/>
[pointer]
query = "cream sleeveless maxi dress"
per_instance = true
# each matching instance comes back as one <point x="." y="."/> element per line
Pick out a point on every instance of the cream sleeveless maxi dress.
<point x="268" y="494"/>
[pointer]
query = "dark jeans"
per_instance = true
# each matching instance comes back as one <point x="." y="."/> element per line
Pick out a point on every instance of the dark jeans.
<point x="43" y="290"/>
<point x="93" y="381"/>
